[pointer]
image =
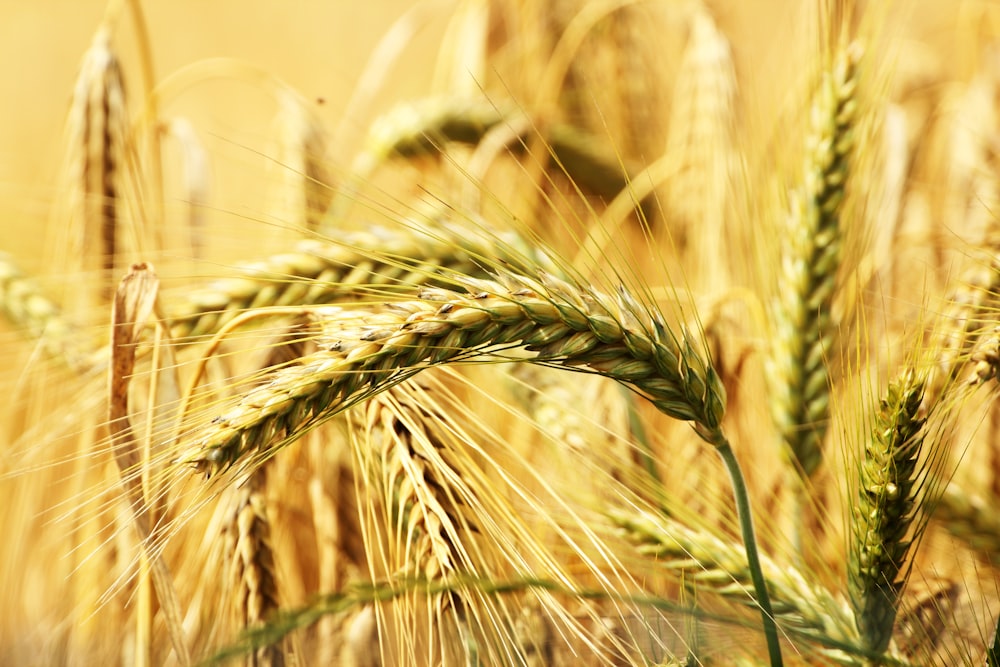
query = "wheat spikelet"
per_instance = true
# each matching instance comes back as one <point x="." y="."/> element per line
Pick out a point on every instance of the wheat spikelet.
<point x="707" y="562"/>
<point x="886" y="511"/>
<point x="805" y="325"/>
<point x="560" y="323"/>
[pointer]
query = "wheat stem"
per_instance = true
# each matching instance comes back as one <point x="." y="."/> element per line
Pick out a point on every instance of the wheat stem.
<point x="750" y="543"/>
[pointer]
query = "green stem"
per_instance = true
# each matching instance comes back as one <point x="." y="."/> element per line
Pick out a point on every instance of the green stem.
<point x="750" y="544"/>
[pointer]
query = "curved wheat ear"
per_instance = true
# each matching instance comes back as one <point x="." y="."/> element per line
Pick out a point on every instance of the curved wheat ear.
<point x="376" y="262"/>
<point x="704" y="560"/>
<point x="804" y="320"/>
<point x="885" y="511"/>
<point x="560" y="323"/>
<point x="427" y="127"/>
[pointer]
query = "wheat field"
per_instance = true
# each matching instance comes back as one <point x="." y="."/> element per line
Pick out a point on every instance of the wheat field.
<point x="500" y="332"/>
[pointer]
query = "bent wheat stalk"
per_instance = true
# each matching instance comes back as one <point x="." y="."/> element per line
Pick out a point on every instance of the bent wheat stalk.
<point x="561" y="324"/>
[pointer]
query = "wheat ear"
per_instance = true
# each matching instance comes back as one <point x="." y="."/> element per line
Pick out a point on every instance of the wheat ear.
<point x="98" y="124"/>
<point x="805" y="325"/>
<point x="713" y="564"/>
<point x="561" y="324"/>
<point x="886" y="511"/>
<point x="970" y="519"/>
<point x="963" y="335"/>
<point x="254" y="577"/>
<point x="26" y="306"/>
<point x="427" y="127"/>
<point x="376" y="262"/>
<point x="700" y="139"/>
<point x="301" y="155"/>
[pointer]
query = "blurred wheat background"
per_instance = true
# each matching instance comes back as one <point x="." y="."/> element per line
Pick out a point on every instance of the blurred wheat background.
<point x="457" y="332"/>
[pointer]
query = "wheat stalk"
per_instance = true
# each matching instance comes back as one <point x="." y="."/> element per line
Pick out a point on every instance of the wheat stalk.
<point x="885" y="512"/>
<point x="805" y="325"/>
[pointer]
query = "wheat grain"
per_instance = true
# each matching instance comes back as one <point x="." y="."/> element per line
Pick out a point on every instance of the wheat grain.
<point x="560" y="323"/>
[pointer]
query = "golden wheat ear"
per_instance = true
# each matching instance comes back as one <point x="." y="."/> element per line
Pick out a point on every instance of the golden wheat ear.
<point x="563" y="324"/>
<point x="98" y="129"/>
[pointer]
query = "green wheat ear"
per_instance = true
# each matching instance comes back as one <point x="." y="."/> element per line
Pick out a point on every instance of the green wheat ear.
<point x="885" y="511"/>
<point x="805" y="327"/>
